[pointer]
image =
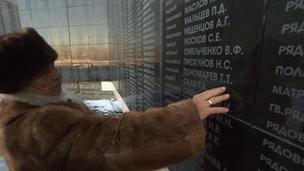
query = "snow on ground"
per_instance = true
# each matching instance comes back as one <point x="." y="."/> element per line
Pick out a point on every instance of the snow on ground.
<point x="106" y="107"/>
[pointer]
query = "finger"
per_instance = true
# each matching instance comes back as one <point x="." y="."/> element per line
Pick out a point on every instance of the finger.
<point x="214" y="111"/>
<point x="219" y="99"/>
<point x="213" y="92"/>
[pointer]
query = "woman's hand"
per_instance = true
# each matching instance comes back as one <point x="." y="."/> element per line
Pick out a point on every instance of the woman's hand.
<point x="204" y="102"/>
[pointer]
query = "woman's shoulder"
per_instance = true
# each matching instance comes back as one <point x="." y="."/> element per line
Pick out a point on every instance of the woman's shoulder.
<point x="62" y="107"/>
<point x="62" y="112"/>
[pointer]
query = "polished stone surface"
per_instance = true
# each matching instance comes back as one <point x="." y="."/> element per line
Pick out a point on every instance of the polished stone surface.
<point x="255" y="48"/>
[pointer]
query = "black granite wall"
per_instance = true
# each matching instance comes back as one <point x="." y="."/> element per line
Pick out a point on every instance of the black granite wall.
<point x="137" y="37"/>
<point x="253" y="47"/>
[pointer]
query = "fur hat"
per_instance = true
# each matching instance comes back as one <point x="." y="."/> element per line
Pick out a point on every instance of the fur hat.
<point x="23" y="56"/>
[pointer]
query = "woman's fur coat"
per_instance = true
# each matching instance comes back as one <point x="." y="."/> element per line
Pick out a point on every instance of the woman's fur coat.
<point x="50" y="134"/>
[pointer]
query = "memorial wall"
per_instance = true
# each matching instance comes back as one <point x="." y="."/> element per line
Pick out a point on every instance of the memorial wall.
<point x="255" y="48"/>
<point x="135" y="49"/>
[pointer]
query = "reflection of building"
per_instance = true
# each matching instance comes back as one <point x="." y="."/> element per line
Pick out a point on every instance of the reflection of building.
<point x="78" y="30"/>
<point x="9" y="17"/>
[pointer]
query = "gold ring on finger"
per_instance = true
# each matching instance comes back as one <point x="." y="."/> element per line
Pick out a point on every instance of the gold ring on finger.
<point x="210" y="102"/>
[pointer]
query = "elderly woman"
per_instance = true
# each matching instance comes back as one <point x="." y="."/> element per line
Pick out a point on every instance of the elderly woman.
<point x="43" y="130"/>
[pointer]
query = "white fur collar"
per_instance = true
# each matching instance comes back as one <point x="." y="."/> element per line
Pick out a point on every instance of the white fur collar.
<point x="40" y="100"/>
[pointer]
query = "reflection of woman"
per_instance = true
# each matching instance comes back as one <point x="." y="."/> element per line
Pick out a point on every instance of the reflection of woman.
<point x="41" y="129"/>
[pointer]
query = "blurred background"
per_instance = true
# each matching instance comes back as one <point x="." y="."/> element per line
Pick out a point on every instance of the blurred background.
<point x="98" y="40"/>
<point x="77" y="30"/>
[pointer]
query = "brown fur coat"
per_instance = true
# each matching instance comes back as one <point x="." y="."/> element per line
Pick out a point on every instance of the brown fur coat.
<point x="68" y="137"/>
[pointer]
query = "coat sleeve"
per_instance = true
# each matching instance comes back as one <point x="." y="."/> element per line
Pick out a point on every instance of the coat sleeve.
<point x="135" y="141"/>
